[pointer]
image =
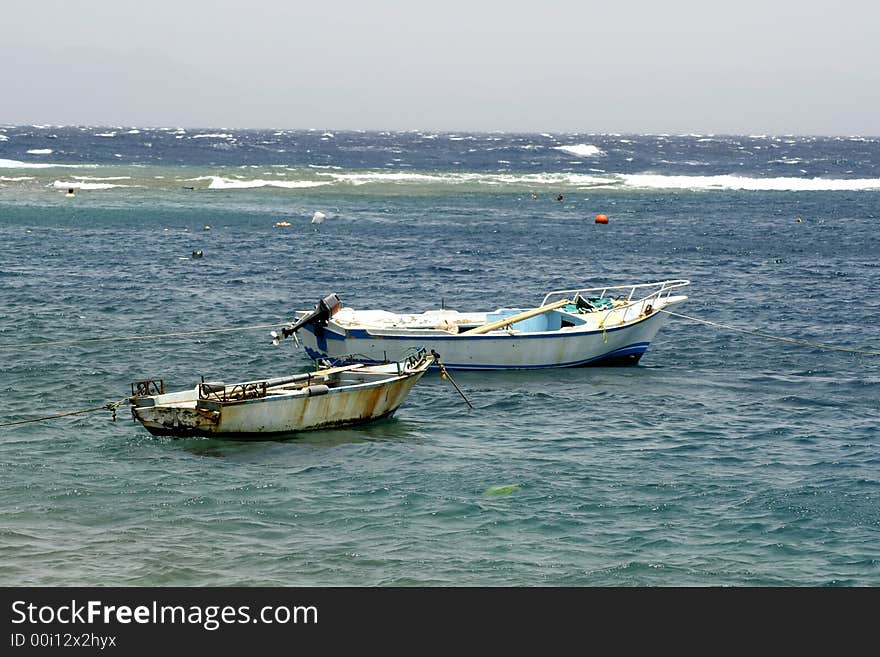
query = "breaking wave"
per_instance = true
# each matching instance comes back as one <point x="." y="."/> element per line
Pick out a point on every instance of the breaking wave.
<point x="377" y="181"/>
<point x="218" y="182"/>
<point x="730" y="182"/>
<point x="16" y="164"/>
<point x="495" y="180"/>
<point x="79" y="184"/>
<point x="581" y="150"/>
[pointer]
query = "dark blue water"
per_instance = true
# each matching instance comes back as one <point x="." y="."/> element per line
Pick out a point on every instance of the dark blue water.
<point x="691" y="155"/>
<point x="723" y="458"/>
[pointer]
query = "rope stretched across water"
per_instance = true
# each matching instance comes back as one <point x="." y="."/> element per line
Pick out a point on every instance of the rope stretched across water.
<point x="802" y="343"/>
<point x="141" y="337"/>
<point x="112" y="406"/>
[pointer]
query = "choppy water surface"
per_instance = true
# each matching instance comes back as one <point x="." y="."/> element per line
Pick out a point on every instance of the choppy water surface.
<point x="722" y="459"/>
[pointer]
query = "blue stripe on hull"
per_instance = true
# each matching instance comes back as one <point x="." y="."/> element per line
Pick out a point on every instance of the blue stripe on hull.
<point x="628" y="355"/>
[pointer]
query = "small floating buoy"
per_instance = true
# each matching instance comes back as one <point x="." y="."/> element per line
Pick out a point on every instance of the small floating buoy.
<point x="601" y="219"/>
<point x="198" y="253"/>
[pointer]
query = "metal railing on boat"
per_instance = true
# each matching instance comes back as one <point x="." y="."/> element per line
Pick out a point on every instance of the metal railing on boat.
<point x="632" y="308"/>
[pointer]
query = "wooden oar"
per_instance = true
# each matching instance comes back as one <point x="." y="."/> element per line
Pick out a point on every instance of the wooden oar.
<point x="491" y="326"/>
<point x="334" y="370"/>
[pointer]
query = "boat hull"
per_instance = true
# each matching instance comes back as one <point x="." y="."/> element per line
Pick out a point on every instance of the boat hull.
<point x="499" y="350"/>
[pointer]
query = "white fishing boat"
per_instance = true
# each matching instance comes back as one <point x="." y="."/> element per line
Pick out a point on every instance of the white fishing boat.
<point x="611" y="325"/>
<point x="327" y="398"/>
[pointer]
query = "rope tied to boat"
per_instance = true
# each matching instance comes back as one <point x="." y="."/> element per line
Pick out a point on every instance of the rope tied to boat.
<point x="140" y="337"/>
<point x="110" y="406"/>
<point x="444" y="374"/>
<point x="802" y="343"/>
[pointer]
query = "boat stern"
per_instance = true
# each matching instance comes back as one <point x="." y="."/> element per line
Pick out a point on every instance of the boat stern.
<point x="177" y="420"/>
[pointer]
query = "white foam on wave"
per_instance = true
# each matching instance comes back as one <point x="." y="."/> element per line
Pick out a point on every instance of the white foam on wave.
<point x="16" y="164"/>
<point x="40" y="151"/>
<point x="212" y="135"/>
<point x="382" y="176"/>
<point x="497" y="179"/>
<point x="16" y="178"/>
<point x="217" y="182"/>
<point x="105" y="134"/>
<point x="729" y="182"/>
<point x="102" y="177"/>
<point x="60" y="184"/>
<point x="4" y="137"/>
<point x="552" y="179"/>
<point x="581" y="150"/>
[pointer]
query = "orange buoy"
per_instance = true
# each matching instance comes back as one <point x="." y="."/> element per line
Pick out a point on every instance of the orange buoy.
<point x="601" y="219"/>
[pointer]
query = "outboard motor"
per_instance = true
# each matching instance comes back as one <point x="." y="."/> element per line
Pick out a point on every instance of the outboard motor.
<point x="324" y="310"/>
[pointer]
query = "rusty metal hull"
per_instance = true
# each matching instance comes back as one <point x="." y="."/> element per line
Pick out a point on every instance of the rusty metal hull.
<point x="363" y="395"/>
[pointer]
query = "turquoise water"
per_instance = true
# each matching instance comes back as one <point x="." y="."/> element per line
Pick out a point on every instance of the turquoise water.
<point x="721" y="459"/>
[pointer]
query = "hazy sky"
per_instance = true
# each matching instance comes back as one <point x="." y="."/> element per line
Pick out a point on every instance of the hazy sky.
<point x="551" y="65"/>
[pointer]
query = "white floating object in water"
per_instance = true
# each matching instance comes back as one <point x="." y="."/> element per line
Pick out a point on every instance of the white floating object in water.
<point x="318" y="218"/>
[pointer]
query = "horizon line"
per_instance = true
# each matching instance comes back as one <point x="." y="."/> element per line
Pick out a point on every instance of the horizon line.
<point x="614" y="133"/>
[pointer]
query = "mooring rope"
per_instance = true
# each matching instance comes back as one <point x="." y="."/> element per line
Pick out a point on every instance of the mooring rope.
<point x="446" y="375"/>
<point x="112" y="406"/>
<point x="803" y="343"/>
<point x="140" y="337"/>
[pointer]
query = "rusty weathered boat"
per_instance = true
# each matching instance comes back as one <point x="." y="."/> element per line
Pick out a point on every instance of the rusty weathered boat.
<point x="327" y="398"/>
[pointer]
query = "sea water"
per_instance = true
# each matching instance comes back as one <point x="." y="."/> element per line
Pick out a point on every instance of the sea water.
<point x="726" y="457"/>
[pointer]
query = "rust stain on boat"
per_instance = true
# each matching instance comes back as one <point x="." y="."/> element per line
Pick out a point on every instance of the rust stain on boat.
<point x="339" y="400"/>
